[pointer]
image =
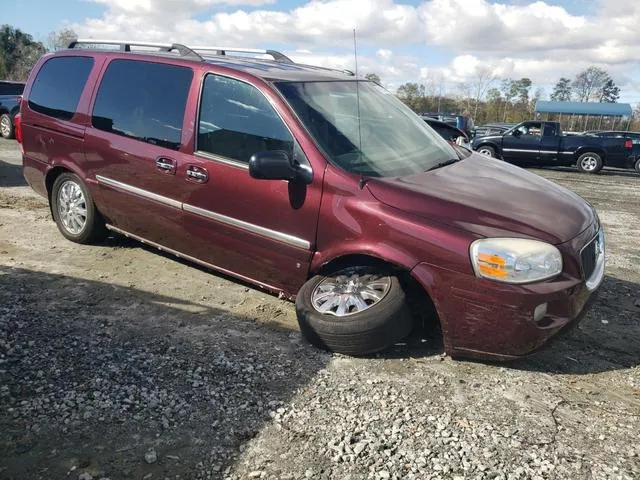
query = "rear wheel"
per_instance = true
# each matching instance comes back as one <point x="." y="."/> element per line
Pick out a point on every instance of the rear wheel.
<point x="637" y="166"/>
<point x="487" y="150"/>
<point x="590" y="162"/>
<point x="6" y="126"/>
<point x="355" y="312"/>
<point x="74" y="211"/>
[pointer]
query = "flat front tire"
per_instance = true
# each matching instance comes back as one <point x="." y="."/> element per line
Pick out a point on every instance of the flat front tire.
<point x="74" y="211"/>
<point x="590" y="162"/>
<point x="356" y="312"/>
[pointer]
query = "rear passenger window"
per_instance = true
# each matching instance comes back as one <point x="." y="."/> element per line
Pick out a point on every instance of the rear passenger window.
<point x="143" y="100"/>
<point x="57" y="88"/>
<point x="236" y="121"/>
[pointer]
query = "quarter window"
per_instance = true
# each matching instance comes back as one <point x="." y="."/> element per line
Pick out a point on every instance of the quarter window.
<point x="236" y="121"/>
<point x="58" y="86"/>
<point x="143" y="100"/>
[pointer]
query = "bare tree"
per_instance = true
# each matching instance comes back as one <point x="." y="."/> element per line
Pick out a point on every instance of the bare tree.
<point x="435" y="87"/>
<point x="482" y="80"/>
<point x="60" y="39"/>
<point x="465" y="90"/>
<point x="588" y="83"/>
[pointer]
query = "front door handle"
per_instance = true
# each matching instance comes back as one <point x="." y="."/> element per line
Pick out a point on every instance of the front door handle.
<point x="166" y="165"/>
<point x="197" y="174"/>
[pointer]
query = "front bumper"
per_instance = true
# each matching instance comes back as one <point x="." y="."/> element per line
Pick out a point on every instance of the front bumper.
<point x="490" y="320"/>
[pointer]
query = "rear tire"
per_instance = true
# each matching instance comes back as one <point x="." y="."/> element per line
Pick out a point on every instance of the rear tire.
<point x="6" y="126"/>
<point x="376" y="327"/>
<point x="637" y="165"/>
<point x="73" y="210"/>
<point x="590" y="162"/>
<point x="487" y="150"/>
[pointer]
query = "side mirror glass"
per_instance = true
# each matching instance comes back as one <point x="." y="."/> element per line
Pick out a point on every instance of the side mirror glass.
<point x="277" y="165"/>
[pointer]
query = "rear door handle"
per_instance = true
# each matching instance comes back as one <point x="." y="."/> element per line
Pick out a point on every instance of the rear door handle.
<point x="197" y="174"/>
<point x="166" y="165"/>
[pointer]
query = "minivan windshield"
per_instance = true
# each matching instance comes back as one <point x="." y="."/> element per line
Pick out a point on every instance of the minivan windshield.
<point x="365" y="129"/>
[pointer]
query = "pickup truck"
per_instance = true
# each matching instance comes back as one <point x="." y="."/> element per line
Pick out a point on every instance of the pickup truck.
<point x="542" y="143"/>
<point x="9" y="106"/>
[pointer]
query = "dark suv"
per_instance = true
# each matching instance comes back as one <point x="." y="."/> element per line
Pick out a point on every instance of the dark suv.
<point x="309" y="183"/>
<point x="10" y="93"/>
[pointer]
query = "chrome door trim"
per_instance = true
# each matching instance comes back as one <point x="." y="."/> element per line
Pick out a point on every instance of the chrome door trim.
<point x="519" y="150"/>
<point x="191" y="259"/>
<point x="138" y="191"/>
<point x="218" y="217"/>
<point x="250" y="227"/>
<point x="219" y="159"/>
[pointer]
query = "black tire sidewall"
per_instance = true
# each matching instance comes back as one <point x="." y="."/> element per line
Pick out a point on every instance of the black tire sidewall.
<point x="597" y="169"/>
<point x="11" y="127"/>
<point x="372" y="330"/>
<point x="637" y="165"/>
<point x="94" y="226"/>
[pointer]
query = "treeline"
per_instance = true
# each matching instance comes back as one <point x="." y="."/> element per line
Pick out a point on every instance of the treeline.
<point x="19" y="51"/>
<point x="488" y="99"/>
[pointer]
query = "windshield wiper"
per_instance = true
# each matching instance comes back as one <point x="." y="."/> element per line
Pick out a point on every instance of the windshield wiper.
<point x="444" y="164"/>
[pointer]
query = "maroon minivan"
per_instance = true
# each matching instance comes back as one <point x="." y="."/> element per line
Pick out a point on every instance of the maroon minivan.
<point x="310" y="183"/>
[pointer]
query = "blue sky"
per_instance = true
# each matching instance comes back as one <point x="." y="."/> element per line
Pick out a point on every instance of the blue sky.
<point x="444" y="44"/>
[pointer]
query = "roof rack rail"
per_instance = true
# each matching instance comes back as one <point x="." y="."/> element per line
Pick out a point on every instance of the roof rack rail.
<point x="277" y="56"/>
<point x="329" y="69"/>
<point x="125" y="46"/>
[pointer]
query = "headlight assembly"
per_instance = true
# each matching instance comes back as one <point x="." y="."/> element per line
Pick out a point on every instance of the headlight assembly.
<point x="515" y="260"/>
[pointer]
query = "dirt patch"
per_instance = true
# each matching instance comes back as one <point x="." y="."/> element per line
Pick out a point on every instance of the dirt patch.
<point x="117" y="361"/>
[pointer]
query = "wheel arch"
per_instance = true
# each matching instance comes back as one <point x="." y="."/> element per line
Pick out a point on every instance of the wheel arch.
<point x="54" y="172"/>
<point x="586" y="149"/>
<point x="419" y="298"/>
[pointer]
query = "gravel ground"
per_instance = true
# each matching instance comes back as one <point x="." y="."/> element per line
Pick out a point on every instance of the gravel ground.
<point x="119" y="362"/>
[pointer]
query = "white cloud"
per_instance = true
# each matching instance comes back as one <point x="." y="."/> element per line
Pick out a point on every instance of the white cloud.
<point x="384" y="54"/>
<point x="534" y="39"/>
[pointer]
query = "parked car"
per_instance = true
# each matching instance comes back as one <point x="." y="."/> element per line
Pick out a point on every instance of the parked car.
<point x="633" y="136"/>
<point x="492" y="129"/>
<point x="10" y="93"/>
<point x="542" y="143"/>
<point x="460" y="121"/>
<point x="312" y="184"/>
<point x="449" y="133"/>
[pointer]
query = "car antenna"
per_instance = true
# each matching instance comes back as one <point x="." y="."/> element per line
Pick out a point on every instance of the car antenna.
<point x="363" y="179"/>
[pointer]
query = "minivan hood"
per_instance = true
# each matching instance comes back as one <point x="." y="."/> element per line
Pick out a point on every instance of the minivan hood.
<point x="489" y="198"/>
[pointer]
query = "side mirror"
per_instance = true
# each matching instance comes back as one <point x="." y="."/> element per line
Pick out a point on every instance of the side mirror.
<point x="516" y="133"/>
<point x="277" y="165"/>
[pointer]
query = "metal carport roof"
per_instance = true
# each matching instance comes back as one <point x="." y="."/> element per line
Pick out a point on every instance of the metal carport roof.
<point x="585" y="108"/>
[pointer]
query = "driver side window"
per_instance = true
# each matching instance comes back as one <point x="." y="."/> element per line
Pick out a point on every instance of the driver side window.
<point x="530" y="129"/>
<point x="236" y="121"/>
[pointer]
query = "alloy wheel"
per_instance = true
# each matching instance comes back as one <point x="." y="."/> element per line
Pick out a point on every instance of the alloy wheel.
<point x="589" y="163"/>
<point x="72" y="207"/>
<point x="348" y="294"/>
<point x="5" y="126"/>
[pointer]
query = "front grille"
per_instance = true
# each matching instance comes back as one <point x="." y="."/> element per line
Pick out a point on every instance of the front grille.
<point x="589" y="257"/>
